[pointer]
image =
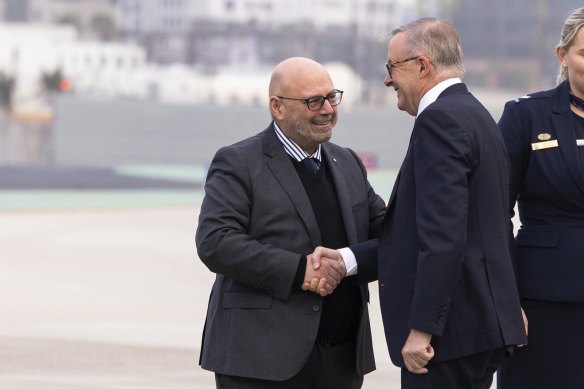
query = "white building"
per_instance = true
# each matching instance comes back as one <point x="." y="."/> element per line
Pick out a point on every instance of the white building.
<point x="28" y="51"/>
<point x="104" y="69"/>
<point x="118" y="70"/>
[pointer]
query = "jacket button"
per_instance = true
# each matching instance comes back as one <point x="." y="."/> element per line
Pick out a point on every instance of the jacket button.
<point x="316" y="308"/>
<point x="441" y="321"/>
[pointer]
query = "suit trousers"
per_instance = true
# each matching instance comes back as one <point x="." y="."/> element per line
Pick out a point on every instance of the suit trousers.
<point x="327" y="367"/>
<point x="469" y="372"/>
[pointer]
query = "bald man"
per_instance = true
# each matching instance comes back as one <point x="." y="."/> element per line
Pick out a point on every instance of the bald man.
<point x="269" y="201"/>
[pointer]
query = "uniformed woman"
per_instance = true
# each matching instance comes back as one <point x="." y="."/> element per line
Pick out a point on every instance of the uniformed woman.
<point x="544" y="134"/>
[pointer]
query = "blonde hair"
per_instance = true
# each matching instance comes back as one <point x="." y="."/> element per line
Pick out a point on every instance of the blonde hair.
<point x="572" y="25"/>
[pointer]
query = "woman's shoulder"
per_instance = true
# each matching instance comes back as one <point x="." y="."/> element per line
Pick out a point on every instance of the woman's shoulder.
<point x="535" y="97"/>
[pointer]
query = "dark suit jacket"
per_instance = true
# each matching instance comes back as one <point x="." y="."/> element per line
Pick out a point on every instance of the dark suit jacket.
<point x="255" y="223"/>
<point x="548" y="184"/>
<point x="443" y="257"/>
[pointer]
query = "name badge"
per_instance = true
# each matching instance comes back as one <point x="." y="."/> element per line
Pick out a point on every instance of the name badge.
<point x="579" y="142"/>
<point x="545" y="145"/>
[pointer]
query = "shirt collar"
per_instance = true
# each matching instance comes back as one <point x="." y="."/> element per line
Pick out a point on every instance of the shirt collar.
<point x="433" y="93"/>
<point x="292" y="149"/>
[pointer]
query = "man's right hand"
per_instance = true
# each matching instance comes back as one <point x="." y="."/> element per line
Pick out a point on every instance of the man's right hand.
<point x="325" y="269"/>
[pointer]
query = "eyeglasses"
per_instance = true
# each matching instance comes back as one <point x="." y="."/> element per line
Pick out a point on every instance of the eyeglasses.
<point x="390" y="66"/>
<point x="315" y="103"/>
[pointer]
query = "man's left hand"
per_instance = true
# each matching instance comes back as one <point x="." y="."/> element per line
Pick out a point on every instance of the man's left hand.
<point x="418" y="351"/>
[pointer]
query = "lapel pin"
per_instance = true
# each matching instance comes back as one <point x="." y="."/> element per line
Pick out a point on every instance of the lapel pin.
<point x="334" y="160"/>
<point x="544" y="136"/>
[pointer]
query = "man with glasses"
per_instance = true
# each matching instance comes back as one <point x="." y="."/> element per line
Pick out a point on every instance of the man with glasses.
<point x="447" y="290"/>
<point x="269" y="201"/>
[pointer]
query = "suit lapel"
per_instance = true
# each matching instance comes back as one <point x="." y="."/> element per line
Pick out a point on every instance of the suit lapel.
<point x="405" y="163"/>
<point x="281" y="167"/>
<point x="335" y="168"/>
<point x="566" y="133"/>
<point x="564" y="127"/>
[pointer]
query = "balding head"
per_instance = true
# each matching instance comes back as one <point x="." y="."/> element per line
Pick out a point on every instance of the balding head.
<point x="294" y="74"/>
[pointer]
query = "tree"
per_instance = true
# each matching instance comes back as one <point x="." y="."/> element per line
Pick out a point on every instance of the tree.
<point x="52" y="81"/>
<point x="6" y="89"/>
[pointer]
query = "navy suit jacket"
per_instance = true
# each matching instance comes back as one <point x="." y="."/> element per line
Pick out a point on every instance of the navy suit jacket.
<point x="442" y="257"/>
<point x="547" y="181"/>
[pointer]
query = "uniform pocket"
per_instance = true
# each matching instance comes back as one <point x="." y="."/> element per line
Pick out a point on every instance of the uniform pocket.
<point x="538" y="238"/>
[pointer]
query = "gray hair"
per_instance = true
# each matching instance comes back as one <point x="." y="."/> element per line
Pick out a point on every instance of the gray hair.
<point x="437" y="39"/>
<point x="572" y="25"/>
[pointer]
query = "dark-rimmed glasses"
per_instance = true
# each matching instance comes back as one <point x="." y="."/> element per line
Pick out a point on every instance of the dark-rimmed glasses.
<point x="390" y="66"/>
<point x="315" y="103"/>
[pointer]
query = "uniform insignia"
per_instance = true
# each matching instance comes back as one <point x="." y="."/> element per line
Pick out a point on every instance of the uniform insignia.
<point x="548" y="144"/>
<point x="522" y="98"/>
<point x="544" y="136"/>
<point x="579" y="142"/>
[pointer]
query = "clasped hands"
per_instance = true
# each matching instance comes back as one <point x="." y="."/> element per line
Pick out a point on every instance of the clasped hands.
<point x="325" y="269"/>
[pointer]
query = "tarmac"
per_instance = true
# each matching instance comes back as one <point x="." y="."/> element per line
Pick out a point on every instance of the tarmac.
<point x="106" y="293"/>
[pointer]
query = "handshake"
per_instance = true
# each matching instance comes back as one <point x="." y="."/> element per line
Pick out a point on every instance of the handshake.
<point x="325" y="268"/>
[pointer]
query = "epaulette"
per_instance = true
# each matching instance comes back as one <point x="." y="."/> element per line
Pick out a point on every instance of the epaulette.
<point x="522" y="98"/>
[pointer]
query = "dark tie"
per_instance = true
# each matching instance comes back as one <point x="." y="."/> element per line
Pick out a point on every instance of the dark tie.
<point x="310" y="164"/>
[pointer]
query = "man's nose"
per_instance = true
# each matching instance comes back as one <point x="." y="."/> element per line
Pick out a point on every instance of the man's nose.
<point x="327" y="107"/>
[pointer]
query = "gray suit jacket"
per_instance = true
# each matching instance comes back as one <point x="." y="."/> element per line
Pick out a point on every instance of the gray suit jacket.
<point x="256" y="222"/>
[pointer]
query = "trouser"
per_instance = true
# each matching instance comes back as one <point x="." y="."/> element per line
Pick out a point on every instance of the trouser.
<point x="327" y="367"/>
<point x="470" y="372"/>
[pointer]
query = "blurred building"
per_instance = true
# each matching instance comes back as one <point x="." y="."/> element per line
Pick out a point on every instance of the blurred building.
<point x="104" y="69"/>
<point x="91" y="18"/>
<point x="198" y="51"/>
<point x="38" y="56"/>
<point x="184" y="30"/>
<point x="371" y="18"/>
<point x="213" y="35"/>
<point x="42" y="60"/>
<point x="26" y="54"/>
<point x="506" y="44"/>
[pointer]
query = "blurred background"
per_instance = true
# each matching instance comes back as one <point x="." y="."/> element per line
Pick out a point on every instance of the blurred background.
<point x="104" y="83"/>
<point x="110" y="113"/>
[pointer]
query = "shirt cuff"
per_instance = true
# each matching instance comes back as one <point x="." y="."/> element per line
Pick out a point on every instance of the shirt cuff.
<point x="350" y="261"/>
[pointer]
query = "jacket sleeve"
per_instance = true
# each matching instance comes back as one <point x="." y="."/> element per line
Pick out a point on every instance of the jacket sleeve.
<point x="223" y="242"/>
<point x="517" y="143"/>
<point x="518" y="148"/>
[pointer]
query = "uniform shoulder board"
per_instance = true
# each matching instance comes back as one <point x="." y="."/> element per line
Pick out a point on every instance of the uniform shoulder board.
<point x="522" y="98"/>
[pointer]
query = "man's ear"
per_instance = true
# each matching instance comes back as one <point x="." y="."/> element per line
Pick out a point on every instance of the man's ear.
<point x="276" y="107"/>
<point x="425" y="65"/>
